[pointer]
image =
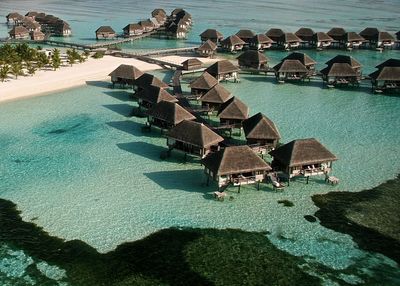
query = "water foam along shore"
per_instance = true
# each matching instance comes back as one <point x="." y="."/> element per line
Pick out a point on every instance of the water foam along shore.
<point x="50" y="81"/>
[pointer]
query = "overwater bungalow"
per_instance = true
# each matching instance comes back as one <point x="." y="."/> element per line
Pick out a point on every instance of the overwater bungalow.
<point x="351" y="40"/>
<point x="223" y="70"/>
<point x="261" y="133"/>
<point x="232" y="113"/>
<point x="261" y="42"/>
<point x="253" y="59"/>
<point x="125" y="75"/>
<point x="202" y="84"/>
<point x="193" y="138"/>
<point x="192" y="64"/>
<point x="306" y="35"/>
<point x="302" y="157"/>
<point x="14" y="18"/>
<point x="147" y="25"/>
<point x="31" y="15"/>
<point x="292" y="70"/>
<point x="340" y="74"/>
<point x="147" y="79"/>
<point x="212" y="35"/>
<point x="387" y="77"/>
<point x="321" y="40"/>
<point x="306" y="60"/>
<point x="155" y="22"/>
<point x="236" y="165"/>
<point x="37" y="36"/>
<point x="160" y="19"/>
<point x="232" y="44"/>
<point x="62" y="28"/>
<point x="105" y="32"/>
<point x="207" y="49"/>
<point x="289" y="41"/>
<point x="246" y="35"/>
<point x="132" y="30"/>
<point x="398" y="36"/>
<point x="377" y="39"/>
<point x="176" y="32"/>
<point x="159" y="12"/>
<point x="355" y="65"/>
<point x="151" y="95"/>
<point x="19" y="33"/>
<point x="274" y="34"/>
<point x="336" y="33"/>
<point x="31" y="25"/>
<point x="215" y="97"/>
<point x="166" y="115"/>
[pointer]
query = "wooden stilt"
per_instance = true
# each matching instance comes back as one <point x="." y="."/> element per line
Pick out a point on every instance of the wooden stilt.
<point x="308" y="177"/>
<point x="208" y="180"/>
<point x="239" y="190"/>
<point x="258" y="186"/>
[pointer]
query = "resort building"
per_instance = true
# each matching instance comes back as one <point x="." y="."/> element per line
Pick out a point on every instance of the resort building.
<point x="387" y="77"/>
<point x="261" y="133"/>
<point x="306" y="35"/>
<point x="340" y="74"/>
<point x="30" y="25"/>
<point x="192" y="64"/>
<point x="155" y="22"/>
<point x="302" y="157"/>
<point x="14" y="18"/>
<point x="275" y="34"/>
<point x="215" y="97"/>
<point x="125" y="75"/>
<point x="19" y="33"/>
<point x="232" y="44"/>
<point x="151" y="95"/>
<point x="31" y="15"/>
<point x="176" y="32"/>
<point x="292" y="70"/>
<point x="289" y="41"/>
<point x="355" y="65"/>
<point x="232" y="113"/>
<point x="321" y="40"/>
<point x="132" y="30"/>
<point x="207" y="49"/>
<point x="147" y="26"/>
<point x="37" y="36"/>
<point x="261" y="42"/>
<point x="336" y="33"/>
<point x="202" y="84"/>
<point x="105" y="32"/>
<point x="193" y="138"/>
<point x="212" y="35"/>
<point x="223" y="70"/>
<point x="159" y="12"/>
<point x="306" y="60"/>
<point x="236" y="165"/>
<point x="351" y="40"/>
<point x="147" y="79"/>
<point x="166" y="115"/>
<point x="253" y="59"/>
<point x="53" y="25"/>
<point x="246" y="35"/>
<point x="377" y="39"/>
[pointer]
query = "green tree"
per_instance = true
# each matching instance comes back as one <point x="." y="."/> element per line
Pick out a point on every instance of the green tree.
<point x="41" y="60"/>
<point x="4" y="70"/>
<point x="71" y="57"/>
<point x="56" y="59"/>
<point x="31" y="68"/>
<point x="16" y="69"/>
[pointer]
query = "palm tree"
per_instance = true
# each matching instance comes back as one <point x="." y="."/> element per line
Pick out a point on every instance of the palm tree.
<point x="16" y="69"/>
<point x="4" y="70"/>
<point x="41" y="60"/>
<point x="71" y="57"/>
<point x="55" y="59"/>
<point x="31" y="68"/>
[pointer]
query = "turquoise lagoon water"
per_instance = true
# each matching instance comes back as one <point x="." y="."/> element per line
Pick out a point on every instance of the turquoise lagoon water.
<point x="76" y="164"/>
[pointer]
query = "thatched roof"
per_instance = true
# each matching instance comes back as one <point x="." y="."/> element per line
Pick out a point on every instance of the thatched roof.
<point x="245" y="34"/>
<point x="15" y="16"/>
<point x="194" y="133"/>
<point x="275" y="33"/>
<point x="302" y="57"/>
<point x="31" y="14"/>
<point x="193" y="61"/>
<point x="205" y="81"/>
<point x="339" y="69"/>
<point x="31" y="25"/>
<point x="291" y="66"/>
<point x="260" y="127"/>
<point x="177" y="11"/>
<point x="146" y="23"/>
<point x="170" y="112"/>
<point x="302" y="152"/>
<point x="211" y="34"/>
<point x="18" y="30"/>
<point x="133" y="27"/>
<point x="252" y="56"/>
<point x="234" y="108"/>
<point x="344" y="59"/>
<point x="352" y="37"/>
<point x="233" y="41"/>
<point x="217" y="94"/>
<point x="305" y="34"/>
<point x="385" y="36"/>
<point x="235" y="160"/>
<point x="322" y="37"/>
<point x="387" y="73"/>
<point x="155" y="94"/>
<point x="105" y="29"/>
<point x="262" y="39"/>
<point x="126" y="72"/>
<point x="336" y="33"/>
<point x="221" y="67"/>
<point x="369" y="33"/>
<point x="208" y="46"/>
<point x="289" y="38"/>
<point x="148" y="79"/>
<point x="389" y="63"/>
<point x="158" y="11"/>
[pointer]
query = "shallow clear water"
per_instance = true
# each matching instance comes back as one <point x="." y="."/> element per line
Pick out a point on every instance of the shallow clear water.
<point x="75" y="164"/>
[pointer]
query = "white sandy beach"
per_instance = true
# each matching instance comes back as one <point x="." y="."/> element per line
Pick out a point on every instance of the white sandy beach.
<point x="49" y="81"/>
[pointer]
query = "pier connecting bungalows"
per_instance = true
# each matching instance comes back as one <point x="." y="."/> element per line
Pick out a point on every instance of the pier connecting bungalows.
<point x="105" y="32"/>
<point x="212" y="35"/>
<point x="302" y="157"/>
<point x="321" y="40"/>
<point x="245" y="35"/>
<point x="215" y="97"/>
<point x="290" y="70"/>
<point x="207" y="49"/>
<point x="232" y="113"/>
<point x="236" y="165"/>
<point x="125" y="75"/>
<point x="223" y="70"/>
<point x="166" y="115"/>
<point x="387" y="77"/>
<point x="261" y="42"/>
<point x="232" y="44"/>
<point x="202" y="84"/>
<point x="151" y="95"/>
<point x="193" y="138"/>
<point x="261" y="133"/>
<point x="253" y="59"/>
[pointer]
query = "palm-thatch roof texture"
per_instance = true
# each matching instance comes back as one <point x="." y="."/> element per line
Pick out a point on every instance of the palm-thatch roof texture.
<point x="155" y="94"/>
<point x="205" y="82"/>
<point x="218" y="94"/>
<point x="290" y="66"/>
<point x="128" y="72"/>
<point x="234" y="108"/>
<point x="221" y="67"/>
<point x="170" y="112"/>
<point x="147" y="79"/>
<point x="339" y="70"/>
<point x="259" y="126"/>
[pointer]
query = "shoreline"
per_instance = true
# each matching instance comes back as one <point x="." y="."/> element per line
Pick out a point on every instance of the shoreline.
<point x="46" y="82"/>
